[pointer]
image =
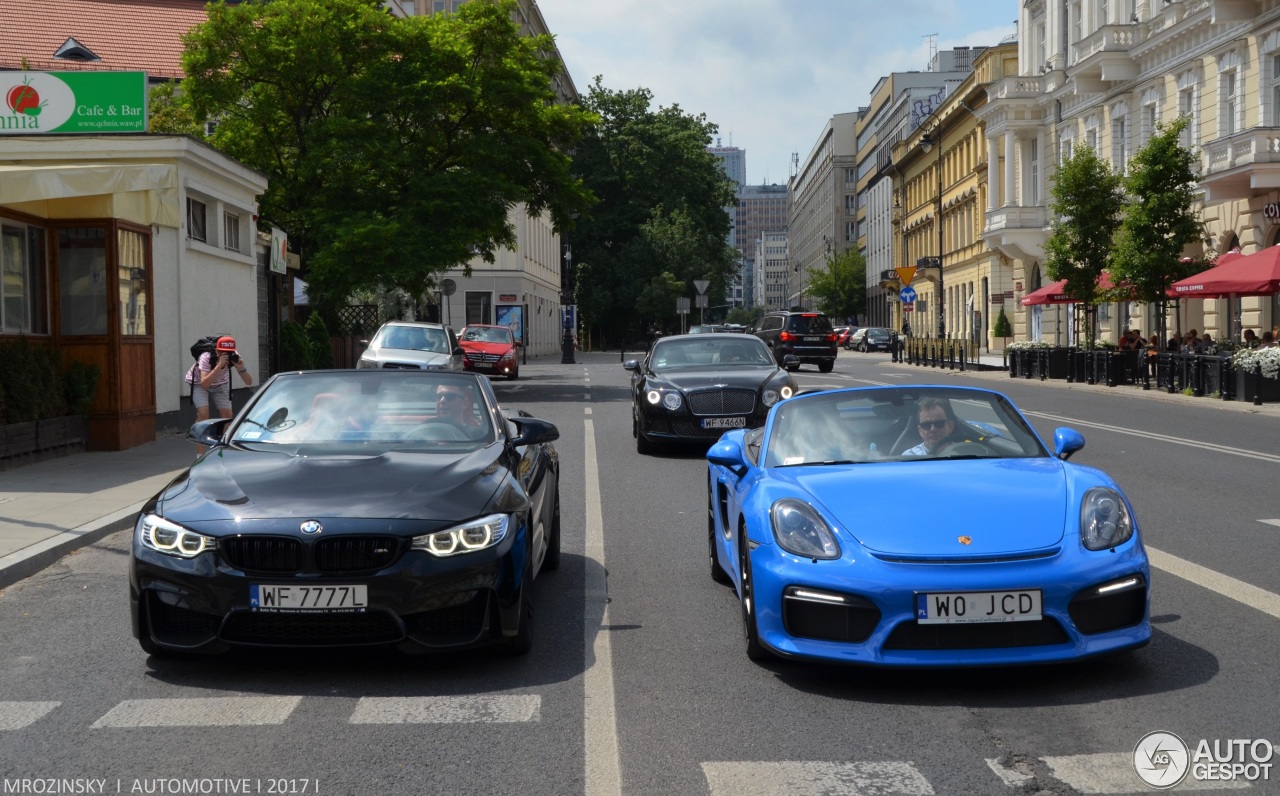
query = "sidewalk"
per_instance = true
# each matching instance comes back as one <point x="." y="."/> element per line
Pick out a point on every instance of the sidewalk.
<point x="55" y="506"/>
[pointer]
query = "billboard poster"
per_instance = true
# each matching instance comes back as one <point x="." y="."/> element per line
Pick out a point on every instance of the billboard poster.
<point x="73" y="102"/>
<point x="512" y="317"/>
<point x="279" y="251"/>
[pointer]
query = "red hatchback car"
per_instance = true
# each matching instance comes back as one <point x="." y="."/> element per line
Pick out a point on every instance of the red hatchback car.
<point x="490" y="349"/>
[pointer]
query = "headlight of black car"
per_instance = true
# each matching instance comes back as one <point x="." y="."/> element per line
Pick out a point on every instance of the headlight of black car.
<point x="163" y="536"/>
<point x="665" y="396"/>
<point x="774" y="393"/>
<point x="1104" y="519"/>
<point x="469" y="537"/>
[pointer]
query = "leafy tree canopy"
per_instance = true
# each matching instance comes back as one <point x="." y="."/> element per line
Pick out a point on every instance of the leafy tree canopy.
<point x="1086" y="205"/>
<point x="662" y="199"/>
<point x="841" y="286"/>
<point x="1159" y="220"/>
<point x="394" y="147"/>
<point x="745" y="316"/>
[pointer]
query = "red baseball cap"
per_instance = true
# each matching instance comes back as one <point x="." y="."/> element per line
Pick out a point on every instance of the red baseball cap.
<point x="226" y="343"/>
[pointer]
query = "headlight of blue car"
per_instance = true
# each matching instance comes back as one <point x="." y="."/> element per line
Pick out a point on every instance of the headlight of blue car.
<point x="800" y="531"/>
<point x="1104" y="519"/>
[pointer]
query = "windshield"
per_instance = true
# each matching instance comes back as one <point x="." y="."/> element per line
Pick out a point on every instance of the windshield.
<point x="710" y="351"/>
<point x="487" y="334"/>
<point x="369" y="412"/>
<point x="878" y="333"/>
<point x="413" y="338"/>
<point x="897" y="424"/>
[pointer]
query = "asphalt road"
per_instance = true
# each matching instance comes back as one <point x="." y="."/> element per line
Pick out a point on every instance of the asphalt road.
<point x="655" y="695"/>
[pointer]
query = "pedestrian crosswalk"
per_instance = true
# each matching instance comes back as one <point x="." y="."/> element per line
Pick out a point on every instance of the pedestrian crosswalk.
<point x="1098" y="773"/>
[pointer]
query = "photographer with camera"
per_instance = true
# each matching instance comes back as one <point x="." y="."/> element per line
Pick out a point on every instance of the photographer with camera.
<point x="211" y="380"/>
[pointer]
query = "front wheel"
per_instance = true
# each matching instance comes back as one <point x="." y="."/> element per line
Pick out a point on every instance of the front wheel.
<point x="756" y="651"/>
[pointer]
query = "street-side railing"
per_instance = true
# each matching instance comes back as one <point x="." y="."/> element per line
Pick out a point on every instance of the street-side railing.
<point x="935" y="353"/>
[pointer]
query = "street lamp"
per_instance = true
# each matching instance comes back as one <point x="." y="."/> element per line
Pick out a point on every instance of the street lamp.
<point x="932" y="139"/>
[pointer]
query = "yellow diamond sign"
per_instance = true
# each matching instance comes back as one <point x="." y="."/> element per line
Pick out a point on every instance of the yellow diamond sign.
<point x="906" y="274"/>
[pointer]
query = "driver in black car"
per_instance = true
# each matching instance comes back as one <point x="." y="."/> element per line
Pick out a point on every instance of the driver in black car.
<point x="453" y="404"/>
<point x="938" y="428"/>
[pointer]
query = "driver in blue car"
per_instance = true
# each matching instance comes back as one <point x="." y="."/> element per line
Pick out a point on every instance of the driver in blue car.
<point x="939" y="429"/>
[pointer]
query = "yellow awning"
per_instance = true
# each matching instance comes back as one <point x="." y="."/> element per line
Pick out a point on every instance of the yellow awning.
<point x="144" y="193"/>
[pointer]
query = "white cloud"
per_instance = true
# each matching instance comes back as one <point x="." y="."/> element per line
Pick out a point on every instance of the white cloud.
<point x="770" y="73"/>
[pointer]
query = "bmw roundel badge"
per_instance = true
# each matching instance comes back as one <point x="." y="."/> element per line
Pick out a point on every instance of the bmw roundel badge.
<point x="311" y="527"/>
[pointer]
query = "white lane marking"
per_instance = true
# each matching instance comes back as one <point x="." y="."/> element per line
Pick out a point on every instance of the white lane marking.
<point x="1009" y="776"/>
<point x="205" y="712"/>
<point x="1271" y="522"/>
<point x="804" y="778"/>
<point x="586" y="396"/>
<point x="447" y="710"/>
<point x="895" y="375"/>
<point x="1112" y="772"/>
<point x="1227" y="586"/>
<point x="1209" y="446"/>
<point x="602" y="765"/>
<point x="16" y="715"/>
<point x="586" y="410"/>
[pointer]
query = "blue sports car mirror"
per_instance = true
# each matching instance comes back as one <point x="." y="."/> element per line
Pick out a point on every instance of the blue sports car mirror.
<point x="1066" y="441"/>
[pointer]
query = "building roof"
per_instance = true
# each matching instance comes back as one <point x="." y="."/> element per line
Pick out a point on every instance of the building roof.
<point x="124" y="35"/>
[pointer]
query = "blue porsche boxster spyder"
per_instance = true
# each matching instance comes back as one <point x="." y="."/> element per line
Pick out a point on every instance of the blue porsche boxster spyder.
<point x="922" y="526"/>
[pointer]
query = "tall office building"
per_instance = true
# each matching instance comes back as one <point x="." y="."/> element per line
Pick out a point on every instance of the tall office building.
<point x="761" y="208"/>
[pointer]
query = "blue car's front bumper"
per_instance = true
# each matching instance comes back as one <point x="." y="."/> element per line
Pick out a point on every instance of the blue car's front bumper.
<point x="808" y="625"/>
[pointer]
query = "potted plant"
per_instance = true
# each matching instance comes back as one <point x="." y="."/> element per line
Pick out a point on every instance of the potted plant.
<point x="1257" y="373"/>
<point x="1002" y="330"/>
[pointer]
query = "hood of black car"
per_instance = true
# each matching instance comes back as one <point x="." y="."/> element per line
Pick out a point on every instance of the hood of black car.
<point x="241" y="484"/>
<point x="742" y="376"/>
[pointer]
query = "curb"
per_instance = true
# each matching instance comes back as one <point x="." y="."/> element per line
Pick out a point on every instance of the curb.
<point x="30" y="560"/>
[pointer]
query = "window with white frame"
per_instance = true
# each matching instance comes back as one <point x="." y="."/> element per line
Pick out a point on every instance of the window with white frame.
<point x="1275" y="90"/>
<point x="1091" y="133"/>
<point x="1189" y="108"/>
<point x="1150" y="120"/>
<point x="1033" y="173"/>
<point x="197" y="220"/>
<point x="1066" y="141"/>
<point x="1077" y="22"/>
<point x="24" y="279"/>
<point x="1042" y="46"/>
<point x="1102" y="12"/>
<point x="231" y="231"/>
<point x="1119" y="143"/>
<point x="1228" y="103"/>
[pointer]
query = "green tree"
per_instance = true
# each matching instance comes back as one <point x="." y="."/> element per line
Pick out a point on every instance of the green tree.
<point x="841" y="286"/>
<point x="321" y="346"/>
<point x="1002" y="326"/>
<point x="1159" y="221"/>
<point x="662" y="199"/>
<point x="169" y="112"/>
<point x="1086" y="205"/>
<point x="295" y="347"/>
<point x="394" y="147"/>
<point x="658" y="299"/>
<point x="745" y="316"/>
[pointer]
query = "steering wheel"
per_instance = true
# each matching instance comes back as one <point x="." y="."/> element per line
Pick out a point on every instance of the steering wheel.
<point x="439" y="430"/>
<point x="967" y="448"/>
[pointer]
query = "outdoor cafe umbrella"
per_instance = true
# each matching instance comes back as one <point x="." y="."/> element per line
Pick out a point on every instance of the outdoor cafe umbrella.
<point x="1055" y="292"/>
<point x="1256" y="274"/>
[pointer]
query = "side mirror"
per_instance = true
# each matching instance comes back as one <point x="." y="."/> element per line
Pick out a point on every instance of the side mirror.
<point x="208" y="432"/>
<point x="728" y="453"/>
<point x="519" y="344"/>
<point x="534" y="431"/>
<point x="791" y="361"/>
<point x="632" y="364"/>
<point x="364" y="343"/>
<point x="1066" y="441"/>
<point x="457" y="352"/>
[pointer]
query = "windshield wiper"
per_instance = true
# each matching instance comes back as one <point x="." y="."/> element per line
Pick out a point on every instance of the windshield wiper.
<point x="823" y="463"/>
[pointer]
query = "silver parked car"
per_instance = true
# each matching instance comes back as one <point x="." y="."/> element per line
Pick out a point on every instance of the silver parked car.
<point x="413" y="345"/>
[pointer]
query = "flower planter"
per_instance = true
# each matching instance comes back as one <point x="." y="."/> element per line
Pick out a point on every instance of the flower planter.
<point x="1246" y="391"/>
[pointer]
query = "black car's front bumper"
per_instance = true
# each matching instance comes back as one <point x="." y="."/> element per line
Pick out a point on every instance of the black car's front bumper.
<point x="683" y="426"/>
<point x="418" y="602"/>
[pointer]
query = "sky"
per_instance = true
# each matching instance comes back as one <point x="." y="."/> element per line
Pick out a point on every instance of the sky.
<point x="768" y="73"/>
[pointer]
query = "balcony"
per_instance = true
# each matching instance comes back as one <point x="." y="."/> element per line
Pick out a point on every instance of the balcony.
<point x="1013" y="88"/>
<point x="1103" y="56"/>
<point x="1018" y="232"/>
<point x="1237" y="166"/>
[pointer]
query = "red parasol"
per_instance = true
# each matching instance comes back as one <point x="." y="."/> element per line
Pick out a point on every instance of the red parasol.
<point x="1235" y="274"/>
<point x="1055" y="292"/>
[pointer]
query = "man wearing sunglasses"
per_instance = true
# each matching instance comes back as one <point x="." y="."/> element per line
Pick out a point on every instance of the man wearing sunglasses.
<point x="453" y="404"/>
<point x="937" y="426"/>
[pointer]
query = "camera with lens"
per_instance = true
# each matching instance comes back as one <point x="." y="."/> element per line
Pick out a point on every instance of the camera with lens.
<point x="233" y="358"/>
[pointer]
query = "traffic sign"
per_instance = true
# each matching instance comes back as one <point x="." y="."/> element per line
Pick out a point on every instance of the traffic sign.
<point x="908" y="295"/>
<point x="906" y="274"/>
<point x="702" y="285"/>
<point x="682" y="305"/>
<point x="908" y="308"/>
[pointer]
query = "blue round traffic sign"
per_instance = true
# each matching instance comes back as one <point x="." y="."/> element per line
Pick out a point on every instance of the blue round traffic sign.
<point x="908" y="295"/>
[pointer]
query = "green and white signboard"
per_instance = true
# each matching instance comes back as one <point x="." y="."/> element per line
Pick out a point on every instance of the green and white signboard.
<point x="73" y="102"/>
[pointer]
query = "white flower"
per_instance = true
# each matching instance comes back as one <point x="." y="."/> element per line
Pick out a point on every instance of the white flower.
<point x="1024" y="345"/>
<point x="1247" y="359"/>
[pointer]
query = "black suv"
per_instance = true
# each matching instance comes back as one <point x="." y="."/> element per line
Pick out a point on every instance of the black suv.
<point x="807" y="335"/>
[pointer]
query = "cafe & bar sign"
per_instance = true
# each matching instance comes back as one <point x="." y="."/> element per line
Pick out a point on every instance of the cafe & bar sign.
<point x="73" y="102"/>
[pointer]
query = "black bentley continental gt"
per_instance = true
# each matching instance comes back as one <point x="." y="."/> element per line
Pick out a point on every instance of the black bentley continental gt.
<point x="694" y="387"/>
<point x="357" y="507"/>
